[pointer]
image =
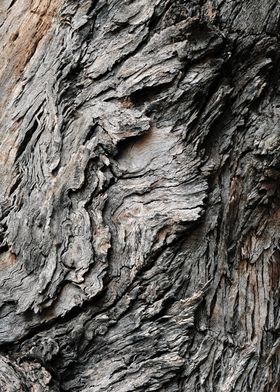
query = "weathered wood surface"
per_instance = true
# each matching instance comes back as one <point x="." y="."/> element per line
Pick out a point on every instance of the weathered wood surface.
<point x="140" y="214"/>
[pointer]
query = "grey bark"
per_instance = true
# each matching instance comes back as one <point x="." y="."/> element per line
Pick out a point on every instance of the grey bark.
<point x="140" y="213"/>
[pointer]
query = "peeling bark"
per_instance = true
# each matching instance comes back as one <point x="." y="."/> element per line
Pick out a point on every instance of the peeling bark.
<point x="139" y="198"/>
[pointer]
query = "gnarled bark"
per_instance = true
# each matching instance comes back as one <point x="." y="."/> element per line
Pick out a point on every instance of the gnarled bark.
<point x="140" y="154"/>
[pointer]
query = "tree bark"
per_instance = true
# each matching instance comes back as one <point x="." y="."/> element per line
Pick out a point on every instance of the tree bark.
<point x="139" y="198"/>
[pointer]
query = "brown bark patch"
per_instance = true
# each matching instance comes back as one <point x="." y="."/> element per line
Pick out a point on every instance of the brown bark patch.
<point x="274" y="271"/>
<point x="7" y="260"/>
<point x="211" y="13"/>
<point x="20" y="40"/>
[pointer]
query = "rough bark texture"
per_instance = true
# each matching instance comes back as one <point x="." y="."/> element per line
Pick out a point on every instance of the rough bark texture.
<point x="140" y="211"/>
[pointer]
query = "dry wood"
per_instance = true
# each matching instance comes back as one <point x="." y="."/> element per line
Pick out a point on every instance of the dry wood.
<point x="139" y="197"/>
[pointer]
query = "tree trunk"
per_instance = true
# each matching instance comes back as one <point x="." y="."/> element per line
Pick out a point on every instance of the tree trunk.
<point x="139" y="198"/>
